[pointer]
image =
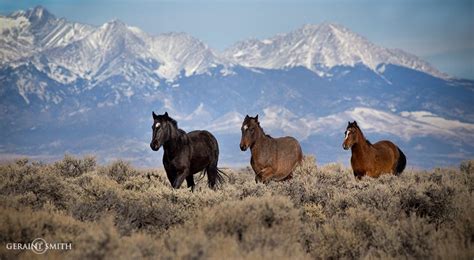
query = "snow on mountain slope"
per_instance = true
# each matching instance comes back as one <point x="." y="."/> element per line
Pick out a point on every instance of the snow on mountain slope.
<point x="98" y="52"/>
<point x="181" y="52"/>
<point x="14" y="41"/>
<point x="96" y="55"/>
<point x="25" y="33"/>
<point x="319" y="48"/>
<point x="228" y="123"/>
<point x="50" y="31"/>
<point x="406" y="125"/>
<point x="118" y="49"/>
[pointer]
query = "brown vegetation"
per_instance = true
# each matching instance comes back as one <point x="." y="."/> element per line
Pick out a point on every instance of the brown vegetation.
<point x="117" y="211"/>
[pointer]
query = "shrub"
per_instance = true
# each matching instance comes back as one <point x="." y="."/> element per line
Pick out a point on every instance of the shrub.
<point x="257" y="225"/>
<point x="308" y="166"/>
<point x="431" y="201"/>
<point x="98" y="196"/>
<point x="36" y="185"/>
<point x="73" y="167"/>
<point x="117" y="211"/>
<point x="467" y="167"/>
<point x="24" y="225"/>
<point x="120" y="171"/>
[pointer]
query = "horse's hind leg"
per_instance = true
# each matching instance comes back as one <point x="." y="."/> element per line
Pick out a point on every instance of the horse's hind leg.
<point x="257" y="178"/>
<point x="289" y="177"/>
<point x="190" y="181"/>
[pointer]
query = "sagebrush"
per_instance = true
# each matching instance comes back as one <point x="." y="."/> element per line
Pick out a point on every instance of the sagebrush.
<point x="119" y="212"/>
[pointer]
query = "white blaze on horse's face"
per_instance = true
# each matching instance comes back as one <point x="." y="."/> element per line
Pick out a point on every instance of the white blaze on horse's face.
<point x="157" y="125"/>
<point x="245" y="127"/>
<point x="347" y="134"/>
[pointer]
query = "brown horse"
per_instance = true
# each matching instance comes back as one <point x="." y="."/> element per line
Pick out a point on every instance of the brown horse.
<point x="372" y="159"/>
<point x="272" y="158"/>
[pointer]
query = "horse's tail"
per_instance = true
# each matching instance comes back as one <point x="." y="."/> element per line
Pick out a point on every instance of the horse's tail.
<point x="401" y="163"/>
<point x="215" y="176"/>
<point x="220" y="177"/>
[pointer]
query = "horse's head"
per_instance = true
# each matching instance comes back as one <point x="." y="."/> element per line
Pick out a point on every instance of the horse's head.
<point x="250" y="130"/>
<point x="163" y="128"/>
<point x="350" y="136"/>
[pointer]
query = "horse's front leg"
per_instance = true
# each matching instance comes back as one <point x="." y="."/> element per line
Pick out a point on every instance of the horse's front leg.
<point x="359" y="174"/>
<point x="171" y="174"/>
<point x="258" y="175"/>
<point x="182" y="174"/>
<point x="190" y="182"/>
<point x="266" y="174"/>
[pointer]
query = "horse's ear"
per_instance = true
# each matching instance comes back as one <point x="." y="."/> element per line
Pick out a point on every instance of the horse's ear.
<point x="247" y="117"/>
<point x="355" y="123"/>
<point x="166" y="115"/>
<point x="154" y="115"/>
<point x="256" y="118"/>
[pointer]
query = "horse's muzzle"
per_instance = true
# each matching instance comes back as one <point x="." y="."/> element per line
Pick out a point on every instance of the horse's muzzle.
<point x="243" y="147"/>
<point x="345" y="147"/>
<point x="154" y="146"/>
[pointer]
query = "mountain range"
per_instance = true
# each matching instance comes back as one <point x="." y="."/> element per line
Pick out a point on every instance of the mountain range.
<point x="67" y="87"/>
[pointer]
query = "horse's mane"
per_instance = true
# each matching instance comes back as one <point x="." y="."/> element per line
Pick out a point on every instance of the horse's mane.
<point x="366" y="140"/>
<point x="173" y="122"/>
<point x="182" y="135"/>
<point x="261" y="128"/>
<point x="360" y="130"/>
<point x="181" y="131"/>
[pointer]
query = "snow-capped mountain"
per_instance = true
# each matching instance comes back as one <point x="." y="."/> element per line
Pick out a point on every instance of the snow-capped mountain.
<point x="319" y="48"/>
<point x="180" y="52"/>
<point x="25" y="33"/>
<point x="72" y="88"/>
<point x="85" y="52"/>
<point x="112" y="49"/>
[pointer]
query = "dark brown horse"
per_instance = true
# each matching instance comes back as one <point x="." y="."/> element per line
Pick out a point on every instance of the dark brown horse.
<point x="272" y="158"/>
<point x="185" y="154"/>
<point x="383" y="157"/>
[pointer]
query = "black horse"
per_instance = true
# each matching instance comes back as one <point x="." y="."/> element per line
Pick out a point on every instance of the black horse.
<point x="185" y="154"/>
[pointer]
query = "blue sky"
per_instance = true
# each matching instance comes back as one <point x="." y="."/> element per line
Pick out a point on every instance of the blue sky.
<point x="441" y="32"/>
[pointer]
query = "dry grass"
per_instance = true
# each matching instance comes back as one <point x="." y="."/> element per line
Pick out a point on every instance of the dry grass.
<point x="116" y="211"/>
